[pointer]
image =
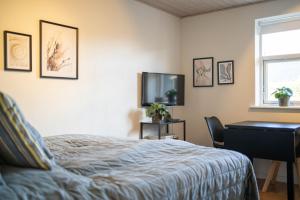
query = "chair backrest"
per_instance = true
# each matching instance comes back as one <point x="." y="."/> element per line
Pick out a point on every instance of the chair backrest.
<point x="215" y="128"/>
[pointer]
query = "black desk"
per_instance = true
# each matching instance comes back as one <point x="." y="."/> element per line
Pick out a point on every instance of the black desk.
<point x="159" y="124"/>
<point x="267" y="140"/>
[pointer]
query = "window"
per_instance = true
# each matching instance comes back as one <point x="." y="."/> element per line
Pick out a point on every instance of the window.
<point x="277" y="57"/>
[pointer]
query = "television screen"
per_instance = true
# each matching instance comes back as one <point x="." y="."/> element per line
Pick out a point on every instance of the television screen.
<point x="166" y="89"/>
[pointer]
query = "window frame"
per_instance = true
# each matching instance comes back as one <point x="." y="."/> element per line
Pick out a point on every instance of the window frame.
<point x="260" y="60"/>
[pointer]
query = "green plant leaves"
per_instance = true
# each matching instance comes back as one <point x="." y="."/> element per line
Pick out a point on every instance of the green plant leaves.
<point x="171" y="93"/>
<point x="157" y="109"/>
<point x="282" y="92"/>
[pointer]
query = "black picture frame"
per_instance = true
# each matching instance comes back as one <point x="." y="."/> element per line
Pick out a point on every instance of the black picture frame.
<point x="6" y="46"/>
<point x="41" y="49"/>
<point x="211" y="72"/>
<point x="231" y="76"/>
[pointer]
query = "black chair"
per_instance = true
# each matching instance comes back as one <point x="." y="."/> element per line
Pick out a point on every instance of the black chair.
<point x="216" y="129"/>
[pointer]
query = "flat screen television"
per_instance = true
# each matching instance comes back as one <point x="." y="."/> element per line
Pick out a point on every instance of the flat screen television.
<point x="167" y="89"/>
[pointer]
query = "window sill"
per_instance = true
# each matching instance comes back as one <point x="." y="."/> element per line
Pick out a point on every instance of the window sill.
<point x="276" y="108"/>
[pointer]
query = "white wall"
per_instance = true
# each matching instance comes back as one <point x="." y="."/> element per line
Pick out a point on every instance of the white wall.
<point x="118" y="39"/>
<point x="227" y="35"/>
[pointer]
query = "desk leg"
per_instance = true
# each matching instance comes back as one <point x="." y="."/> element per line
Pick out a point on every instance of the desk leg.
<point x="159" y="134"/>
<point x="290" y="180"/>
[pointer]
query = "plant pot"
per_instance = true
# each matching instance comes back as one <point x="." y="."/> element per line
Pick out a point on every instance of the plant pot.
<point x="156" y="118"/>
<point x="285" y="101"/>
<point x="172" y="99"/>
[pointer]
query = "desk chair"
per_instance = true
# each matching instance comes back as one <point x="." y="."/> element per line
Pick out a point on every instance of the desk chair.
<point x="215" y="128"/>
<point x="273" y="171"/>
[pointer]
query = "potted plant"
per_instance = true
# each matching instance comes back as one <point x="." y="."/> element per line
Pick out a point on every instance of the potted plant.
<point x="157" y="112"/>
<point x="283" y="95"/>
<point x="171" y="94"/>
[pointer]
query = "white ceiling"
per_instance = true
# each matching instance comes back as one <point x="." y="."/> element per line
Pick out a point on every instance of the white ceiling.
<point x="184" y="8"/>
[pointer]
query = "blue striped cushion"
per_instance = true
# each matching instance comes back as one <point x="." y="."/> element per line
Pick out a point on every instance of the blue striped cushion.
<point x="18" y="144"/>
<point x="40" y="140"/>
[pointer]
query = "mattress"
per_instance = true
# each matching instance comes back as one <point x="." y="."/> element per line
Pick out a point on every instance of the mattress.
<point x="95" y="167"/>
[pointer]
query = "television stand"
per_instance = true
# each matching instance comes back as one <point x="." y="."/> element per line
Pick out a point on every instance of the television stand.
<point x="160" y="124"/>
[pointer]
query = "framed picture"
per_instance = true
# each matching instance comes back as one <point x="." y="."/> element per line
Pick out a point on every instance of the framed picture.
<point x="226" y="72"/>
<point x="58" y="51"/>
<point x="17" y="51"/>
<point x="203" y="72"/>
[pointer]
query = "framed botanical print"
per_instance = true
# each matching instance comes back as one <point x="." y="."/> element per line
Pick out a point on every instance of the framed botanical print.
<point x="17" y="51"/>
<point x="58" y="51"/>
<point x="203" y="72"/>
<point x="226" y="72"/>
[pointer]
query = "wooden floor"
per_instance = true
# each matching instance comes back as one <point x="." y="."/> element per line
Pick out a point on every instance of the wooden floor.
<point x="276" y="191"/>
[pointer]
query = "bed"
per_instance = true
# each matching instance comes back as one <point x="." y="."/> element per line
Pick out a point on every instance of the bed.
<point x="95" y="167"/>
